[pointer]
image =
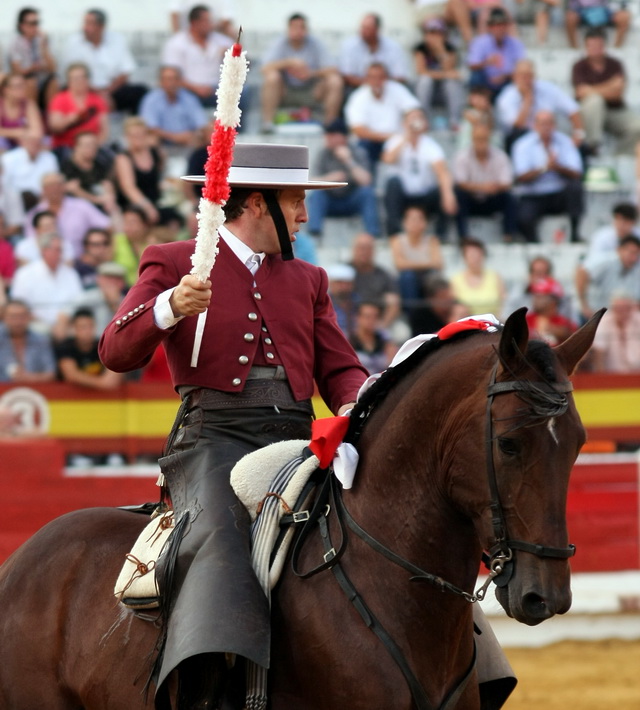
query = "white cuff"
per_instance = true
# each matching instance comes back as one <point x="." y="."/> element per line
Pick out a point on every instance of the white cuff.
<point x="162" y="313"/>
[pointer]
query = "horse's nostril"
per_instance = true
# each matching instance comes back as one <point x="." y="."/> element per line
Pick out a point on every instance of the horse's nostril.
<point x="535" y="606"/>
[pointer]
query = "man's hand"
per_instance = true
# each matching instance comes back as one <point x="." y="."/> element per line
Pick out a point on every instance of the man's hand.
<point x="190" y="297"/>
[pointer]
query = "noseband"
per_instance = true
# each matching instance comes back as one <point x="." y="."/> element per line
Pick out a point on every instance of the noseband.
<point x="550" y="401"/>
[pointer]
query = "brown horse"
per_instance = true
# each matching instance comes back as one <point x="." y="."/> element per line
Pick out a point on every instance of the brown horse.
<point x="470" y="450"/>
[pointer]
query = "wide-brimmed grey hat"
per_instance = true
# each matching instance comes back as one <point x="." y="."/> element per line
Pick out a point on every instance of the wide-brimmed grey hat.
<point x="270" y="165"/>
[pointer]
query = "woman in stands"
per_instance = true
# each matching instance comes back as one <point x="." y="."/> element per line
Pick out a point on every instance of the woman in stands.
<point x="19" y="115"/>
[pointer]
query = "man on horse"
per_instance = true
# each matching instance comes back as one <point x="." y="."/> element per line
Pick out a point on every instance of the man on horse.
<point x="269" y="332"/>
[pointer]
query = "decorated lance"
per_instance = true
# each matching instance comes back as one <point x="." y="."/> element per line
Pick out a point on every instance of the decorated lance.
<point x="233" y="73"/>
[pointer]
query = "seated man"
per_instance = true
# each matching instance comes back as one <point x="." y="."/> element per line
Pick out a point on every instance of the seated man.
<point x="25" y="356"/>
<point x="605" y="240"/>
<point x="483" y="178"/>
<point x="548" y="169"/>
<point x="370" y="46"/>
<point x="492" y="56"/>
<point x="419" y="175"/>
<point x="298" y="71"/>
<point x="339" y="161"/>
<point x="599" y="81"/>
<point x="110" y="62"/>
<point x="519" y="102"/>
<point x="597" y="14"/>
<point x="374" y="111"/>
<point x="615" y="347"/>
<point x="172" y="112"/>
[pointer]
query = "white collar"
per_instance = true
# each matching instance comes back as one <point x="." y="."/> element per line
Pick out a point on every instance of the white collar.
<point x="238" y="247"/>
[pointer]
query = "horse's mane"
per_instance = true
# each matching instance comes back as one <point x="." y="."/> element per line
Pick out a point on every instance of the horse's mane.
<point x="393" y="375"/>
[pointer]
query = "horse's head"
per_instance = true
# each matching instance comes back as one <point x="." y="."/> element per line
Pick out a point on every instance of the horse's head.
<point x="533" y="435"/>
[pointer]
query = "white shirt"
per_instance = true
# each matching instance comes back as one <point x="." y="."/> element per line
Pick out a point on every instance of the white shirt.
<point x="198" y="65"/>
<point x="220" y="10"/>
<point x="604" y="241"/>
<point x="356" y="57"/>
<point x="546" y="97"/>
<point x="48" y="294"/>
<point x="22" y="173"/>
<point x="27" y="250"/>
<point x="414" y="164"/>
<point x="109" y="59"/>
<point x="383" y="114"/>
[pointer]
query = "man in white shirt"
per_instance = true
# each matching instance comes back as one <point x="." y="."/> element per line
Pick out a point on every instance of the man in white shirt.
<point x="519" y="102"/>
<point x="48" y="286"/>
<point x="548" y="169"/>
<point x="375" y="111"/>
<point x="370" y="46"/>
<point x="24" y="167"/>
<point x="198" y="52"/>
<point x="419" y="175"/>
<point x="109" y="60"/>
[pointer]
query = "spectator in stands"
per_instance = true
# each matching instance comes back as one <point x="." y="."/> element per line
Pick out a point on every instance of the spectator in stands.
<point x="129" y="244"/>
<point x="596" y="14"/>
<point x="298" y="71"/>
<point x="548" y="169"/>
<point x="7" y="257"/>
<point x="340" y="161"/>
<point x="373" y="283"/>
<point x="545" y="320"/>
<point x="455" y="13"/>
<point x="304" y="248"/>
<point x="105" y="296"/>
<point x="493" y="56"/>
<point x="369" y="47"/>
<point x="27" y="248"/>
<point x="373" y="346"/>
<point x="374" y="112"/>
<point x="341" y="278"/>
<point x="139" y="170"/>
<point x="540" y="269"/>
<point x="483" y="177"/>
<point x="418" y="175"/>
<point x="74" y="216"/>
<point x="25" y="356"/>
<point x="224" y="16"/>
<point x="29" y="55"/>
<point x="97" y="248"/>
<point x="616" y="347"/>
<point x="416" y="256"/>
<point x="77" y="356"/>
<point x="539" y="12"/>
<point x="477" y="287"/>
<point x="438" y="74"/>
<point x="88" y="172"/>
<point x="19" y="115"/>
<point x="596" y="283"/>
<point x="172" y="113"/>
<point x="605" y="240"/>
<point x="196" y="162"/>
<point x="477" y="111"/>
<point x="198" y="52"/>
<point x="24" y="167"/>
<point x="599" y="81"/>
<point x="48" y="285"/>
<point x="436" y="309"/>
<point x="519" y="102"/>
<point x="77" y="109"/>
<point x="109" y="60"/>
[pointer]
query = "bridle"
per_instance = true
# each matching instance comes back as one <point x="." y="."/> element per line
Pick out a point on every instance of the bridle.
<point x="499" y="559"/>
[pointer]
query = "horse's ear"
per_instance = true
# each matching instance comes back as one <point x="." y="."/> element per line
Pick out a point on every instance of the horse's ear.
<point x="575" y="347"/>
<point x="515" y="336"/>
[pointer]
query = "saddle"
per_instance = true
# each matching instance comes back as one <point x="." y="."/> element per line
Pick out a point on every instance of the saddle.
<point x="269" y="483"/>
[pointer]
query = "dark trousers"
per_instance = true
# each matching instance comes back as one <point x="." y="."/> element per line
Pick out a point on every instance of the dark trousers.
<point x="128" y="97"/>
<point x="471" y="205"/>
<point x="568" y="201"/>
<point x="396" y="202"/>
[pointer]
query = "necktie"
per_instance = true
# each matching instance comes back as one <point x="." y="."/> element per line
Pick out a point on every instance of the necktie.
<point x="253" y="263"/>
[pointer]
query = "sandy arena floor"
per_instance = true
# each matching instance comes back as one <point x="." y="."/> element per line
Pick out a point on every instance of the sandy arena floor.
<point x="577" y="675"/>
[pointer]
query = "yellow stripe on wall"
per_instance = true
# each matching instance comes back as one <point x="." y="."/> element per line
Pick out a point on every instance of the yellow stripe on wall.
<point x="609" y="407"/>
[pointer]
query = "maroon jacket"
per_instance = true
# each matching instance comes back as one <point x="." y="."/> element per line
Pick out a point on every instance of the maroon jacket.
<point x="290" y="299"/>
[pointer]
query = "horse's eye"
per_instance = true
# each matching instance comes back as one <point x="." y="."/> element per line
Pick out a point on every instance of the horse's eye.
<point x="509" y="447"/>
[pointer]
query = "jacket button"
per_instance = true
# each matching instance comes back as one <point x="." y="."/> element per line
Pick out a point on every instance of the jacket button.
<point x="252" y="316"/>
<point x="141" y="306"/>
<point x="236" y="381"/>
<point x="268" y="341"/>
<point x="249" y="338"/>
<point x="130" y="314"/>
<point x="118" y="322"/>
<point x="243" y="359"/>
<point x="270" y="356"/>
<point x="257" y="296"/>
<point x="264" y="328"/>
